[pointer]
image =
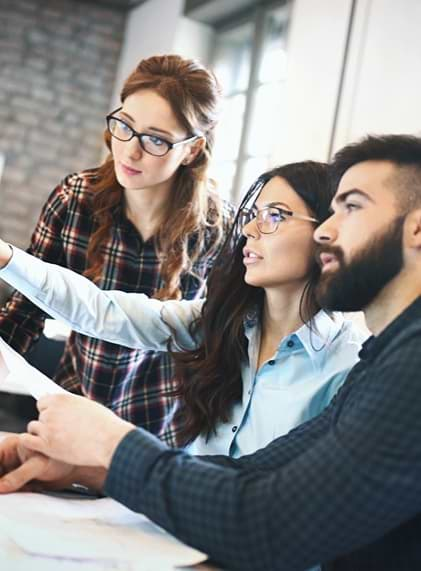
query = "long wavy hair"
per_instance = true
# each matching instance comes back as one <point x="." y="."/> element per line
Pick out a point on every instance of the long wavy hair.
<point x="193" y="94"/>
<point x="209" y="377"/>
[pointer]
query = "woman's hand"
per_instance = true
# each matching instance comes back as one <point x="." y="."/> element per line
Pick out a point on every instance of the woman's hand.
<point x="23" y="469"/>
<point x="75" y="430"/>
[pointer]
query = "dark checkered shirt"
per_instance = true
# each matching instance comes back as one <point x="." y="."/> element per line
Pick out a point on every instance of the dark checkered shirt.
<point x="132" y="383"/>
<point x="343" y="490"/>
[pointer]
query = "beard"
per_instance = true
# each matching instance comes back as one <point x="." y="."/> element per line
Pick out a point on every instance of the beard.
<point x="357" y="283"/>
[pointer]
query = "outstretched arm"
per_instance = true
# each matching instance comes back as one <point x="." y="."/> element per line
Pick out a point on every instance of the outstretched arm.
<point x="21" y="322"/>
<point x="129" y="319"/>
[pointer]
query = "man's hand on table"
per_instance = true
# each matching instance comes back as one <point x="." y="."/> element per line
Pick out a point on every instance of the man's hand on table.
<point x="23" y="469"/>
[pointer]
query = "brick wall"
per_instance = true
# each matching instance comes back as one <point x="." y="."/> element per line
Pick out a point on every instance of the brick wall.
<point x="58" y="60"/>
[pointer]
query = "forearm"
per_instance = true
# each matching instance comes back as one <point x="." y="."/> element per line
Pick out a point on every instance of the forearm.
<point x="332" y="497"/>
<point x="129" y="319"/>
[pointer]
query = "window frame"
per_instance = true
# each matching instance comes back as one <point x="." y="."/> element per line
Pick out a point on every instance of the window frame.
<point x="257" y="16"/>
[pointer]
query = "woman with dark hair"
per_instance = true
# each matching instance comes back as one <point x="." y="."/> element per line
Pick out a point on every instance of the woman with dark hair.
<point x="146" y="220"/>
<point x="259" y="357"/>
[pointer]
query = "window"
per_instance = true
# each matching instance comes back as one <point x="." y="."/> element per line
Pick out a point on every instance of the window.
<point x="250" y="61"/>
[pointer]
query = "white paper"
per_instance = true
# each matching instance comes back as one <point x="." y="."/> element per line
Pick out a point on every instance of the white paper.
<point x="84" y="535"/>
<point x="17" y="375"/>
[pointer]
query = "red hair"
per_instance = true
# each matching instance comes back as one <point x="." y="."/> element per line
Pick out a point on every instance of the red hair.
<point x="193" y="94"/>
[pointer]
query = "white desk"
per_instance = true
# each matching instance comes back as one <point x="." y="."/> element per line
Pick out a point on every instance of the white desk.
<point x="40" y="532"/>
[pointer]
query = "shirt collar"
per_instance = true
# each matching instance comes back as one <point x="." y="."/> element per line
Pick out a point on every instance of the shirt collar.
<point x="408" y="321"/>
<point x="318" y="335"/>
<point x="314" y="338"/>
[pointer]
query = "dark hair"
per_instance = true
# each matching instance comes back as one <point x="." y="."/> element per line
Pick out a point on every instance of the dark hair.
<point x="404" y="151"/>
<point x="209" y="377"/>
<point x="193" y="93"/>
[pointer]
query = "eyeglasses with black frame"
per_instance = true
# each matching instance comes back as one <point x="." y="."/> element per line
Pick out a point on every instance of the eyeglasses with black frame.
<point x="151" y="144"/>
<point x="269" y="217"/>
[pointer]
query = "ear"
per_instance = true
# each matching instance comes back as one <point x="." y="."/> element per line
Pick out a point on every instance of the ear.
<point x="412" y="230"/>
<point x="193" y="150"/>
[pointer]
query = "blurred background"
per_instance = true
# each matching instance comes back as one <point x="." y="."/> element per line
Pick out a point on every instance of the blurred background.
<point x="300" y="79"/>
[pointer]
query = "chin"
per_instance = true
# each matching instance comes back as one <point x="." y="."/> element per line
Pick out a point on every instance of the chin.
<point x="252" y="282"/>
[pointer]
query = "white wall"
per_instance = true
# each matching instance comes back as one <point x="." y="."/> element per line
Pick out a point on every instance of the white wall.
<point x="315" y="48"/>
<point x="382" y="91"/>
<point x="159" y="27"/>
<point x="194" y="39"/>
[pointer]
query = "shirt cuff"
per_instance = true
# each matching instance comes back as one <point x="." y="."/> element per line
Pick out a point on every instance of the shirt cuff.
<point x="23" y="272"/>
<point x="131" y="465"/>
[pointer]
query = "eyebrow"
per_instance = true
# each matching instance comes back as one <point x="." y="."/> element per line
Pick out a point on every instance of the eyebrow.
<point x="342" y="197"/>
<point x="156" y="129"/>
<point x="277" y="204"/>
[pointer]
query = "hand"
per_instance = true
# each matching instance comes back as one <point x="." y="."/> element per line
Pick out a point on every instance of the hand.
<point x="6" y="253"/>
<point x="21" y="468"/>
<point x="75" y="430"/>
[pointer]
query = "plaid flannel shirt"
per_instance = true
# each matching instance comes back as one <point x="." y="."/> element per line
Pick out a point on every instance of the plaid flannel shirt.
<point x="132" y="383"/>
<point x="343" y="489"/>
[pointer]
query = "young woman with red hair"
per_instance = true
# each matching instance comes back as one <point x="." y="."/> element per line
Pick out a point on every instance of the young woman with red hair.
<point x="145" y="221"/>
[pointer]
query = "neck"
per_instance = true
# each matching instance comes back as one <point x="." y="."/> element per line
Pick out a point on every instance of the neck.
<point x="392" y="300"/>
<point x="145" y="208"/>
<point x="282" y="311"/>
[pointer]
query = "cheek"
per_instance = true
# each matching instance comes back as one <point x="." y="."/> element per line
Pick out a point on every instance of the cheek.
<point x="116" y="147"/>
<point x="295" y="255"/>
<point x="164" y="167"/>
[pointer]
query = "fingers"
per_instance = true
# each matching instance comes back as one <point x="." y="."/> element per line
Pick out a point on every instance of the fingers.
<point x="17" y="479"/>
<point x="44" y="402"/>
<point x="33" y="442"/>
<point x="35" y="427"/>
<point x="9" y="459"/>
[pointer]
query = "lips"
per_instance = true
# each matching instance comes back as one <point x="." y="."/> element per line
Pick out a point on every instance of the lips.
<point x="130" y="170"/>
<point x="250" y="257"/>
<point x="327" y="260"/>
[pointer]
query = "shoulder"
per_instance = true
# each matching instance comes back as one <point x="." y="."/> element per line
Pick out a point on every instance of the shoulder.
<point x="80" y="183"/>
<point x="75" y="189"/>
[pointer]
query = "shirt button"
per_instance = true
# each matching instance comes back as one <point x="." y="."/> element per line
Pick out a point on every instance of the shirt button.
<point x="271" y="362"/>
<point x="290" y="343"/>
<point x="234" y="428"/>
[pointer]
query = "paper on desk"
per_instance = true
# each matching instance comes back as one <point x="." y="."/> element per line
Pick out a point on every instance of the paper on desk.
<point x="17" y="375"/>
<point x="90" y="532"/>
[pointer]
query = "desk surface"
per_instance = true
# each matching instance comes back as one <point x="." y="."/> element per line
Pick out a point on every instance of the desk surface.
<point x="85" y="535"/>
<point x="38" y="530"/>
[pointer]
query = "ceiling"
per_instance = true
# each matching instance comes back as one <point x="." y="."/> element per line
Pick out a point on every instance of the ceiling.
<point x="122" y="5"/>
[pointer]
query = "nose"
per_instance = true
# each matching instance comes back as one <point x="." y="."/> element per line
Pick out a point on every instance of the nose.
<point x="250" y="229"/>
<point x="134" y="148"/>
<point x="326" y="232"/>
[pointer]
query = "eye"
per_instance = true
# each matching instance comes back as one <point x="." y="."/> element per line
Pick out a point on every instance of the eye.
<point x="350" y="206"/>
<point x="124" y="127"/>
<point x="118" y="125"/>
<point x="277" y="215"/>
<point x="157" y="141"/>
